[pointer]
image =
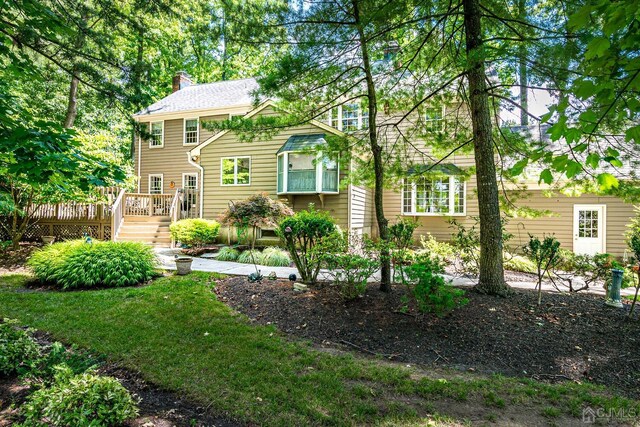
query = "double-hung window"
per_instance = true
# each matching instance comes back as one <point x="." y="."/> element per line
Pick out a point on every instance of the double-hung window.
<point x="156" y="140"/>
<point x="434" y="119"/>
<point x="155" y="183"/>
<point x="349" y="117"/>
<point x="434" y="196"/>
<point x="191" y="131"/>
<point x="190" y="181"/>
<point x="235" y="171"/>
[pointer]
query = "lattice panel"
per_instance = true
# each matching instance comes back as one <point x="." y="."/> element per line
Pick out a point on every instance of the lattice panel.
<point x="75" y="231"/>
<point x="106" y="230"/>
<point x="35" y="232"/>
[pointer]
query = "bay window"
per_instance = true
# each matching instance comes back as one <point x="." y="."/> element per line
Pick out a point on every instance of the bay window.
<point x="307" y="173"/>
<point x="434" y="196"/>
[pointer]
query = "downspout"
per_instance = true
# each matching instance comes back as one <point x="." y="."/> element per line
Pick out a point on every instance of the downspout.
<point x="201" y="169"/>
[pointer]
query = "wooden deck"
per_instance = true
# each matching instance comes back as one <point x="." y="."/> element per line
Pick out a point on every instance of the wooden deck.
<point x="103" y="219"/>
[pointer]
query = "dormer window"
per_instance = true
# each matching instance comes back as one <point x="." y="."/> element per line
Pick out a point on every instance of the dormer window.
<point x="191" y="131"/>
<point x="304" y="172"/>
<point x="349" y="117"/>
<point x="156" y="139"/>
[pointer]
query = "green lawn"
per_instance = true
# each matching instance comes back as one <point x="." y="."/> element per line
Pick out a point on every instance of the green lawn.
<point x="179" y="336"/>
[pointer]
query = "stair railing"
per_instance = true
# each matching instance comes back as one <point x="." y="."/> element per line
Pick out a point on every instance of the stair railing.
<point x="117" y="215"/>
<point x="174" y="212"/>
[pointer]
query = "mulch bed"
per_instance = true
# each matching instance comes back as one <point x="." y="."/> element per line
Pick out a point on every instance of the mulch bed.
<point x="13" y="261"/>
<point x="569" y="337"/>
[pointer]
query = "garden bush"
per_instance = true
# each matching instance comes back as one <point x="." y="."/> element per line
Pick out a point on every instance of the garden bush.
<point x="428" y="289"/>
<point x="80" y="400"/>
<point x="349" y="265"/>
<point x="301" y="233"/>
<point x="76" y="264"/>
<point x="445" y="251"/>
<point x="228" y="254"/>
<point x="275" y="257"/>
<point x="195" y="232"/>
<point x="545" y="255"/>
<point x="18" y="350"/>
<point x="44" y="370"/>
<point x="401" y="233"/>
<point x="247" y="258"/>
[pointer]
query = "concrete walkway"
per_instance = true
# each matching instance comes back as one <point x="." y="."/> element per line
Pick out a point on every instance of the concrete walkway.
<point x="166" y="258"/>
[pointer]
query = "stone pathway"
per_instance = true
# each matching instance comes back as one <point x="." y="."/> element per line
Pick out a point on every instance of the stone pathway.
<point x="166" y="258"/>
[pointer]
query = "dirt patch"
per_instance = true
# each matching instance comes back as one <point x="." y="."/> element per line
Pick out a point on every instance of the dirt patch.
<point x="13" y="261"/>
<point x="569" y="337"/>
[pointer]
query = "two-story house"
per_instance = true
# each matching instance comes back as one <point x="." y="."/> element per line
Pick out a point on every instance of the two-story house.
<point x="215" y="168"/>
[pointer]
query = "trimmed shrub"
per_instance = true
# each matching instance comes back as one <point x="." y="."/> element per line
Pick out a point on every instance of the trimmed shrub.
<point x="80" y="400"/>
<point x="18" y="350"/>
<point x="429" y="290"/>
<point x="228" y="254"/>
<point x="275" y="257"/>
<point x="76" y="264"/>
<point x="195" y="232"/>
<point x="247" y="258"/>
<point x="401" y="233"/>
<point x="301" y="233"/>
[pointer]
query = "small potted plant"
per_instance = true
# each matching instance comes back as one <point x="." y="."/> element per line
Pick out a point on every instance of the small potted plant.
<point x="183" y="264"/>
<point x="47" y="240"/>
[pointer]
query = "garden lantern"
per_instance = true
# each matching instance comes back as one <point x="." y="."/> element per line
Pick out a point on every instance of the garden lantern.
<point x="613" y="296"/>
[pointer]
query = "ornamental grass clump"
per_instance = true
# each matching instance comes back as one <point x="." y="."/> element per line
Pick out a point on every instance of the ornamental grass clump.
<point x="76" y="264"/>
<point x="195" y="232"/>
<point x="251" y="256"/>
<point x="275" y="257"/>
<point x="228" y="254"/>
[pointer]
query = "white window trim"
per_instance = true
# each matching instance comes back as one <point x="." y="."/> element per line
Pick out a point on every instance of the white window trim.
<point x="235" y="171"/>
<point x="161" y="182"/>
<point x="186" y="174"/>
<point x="451" y="201"/>
<point x="184" y="131"/>
<point x="151" y="139"/>
<point x="319" y="173"/>
<point x="443" y="112"/>
<point x="339" y="118"/>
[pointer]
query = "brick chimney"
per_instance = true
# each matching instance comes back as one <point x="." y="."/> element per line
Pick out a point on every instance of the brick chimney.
<point x="180" y="81"/>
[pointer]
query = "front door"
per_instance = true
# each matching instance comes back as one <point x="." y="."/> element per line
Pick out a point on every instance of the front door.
<point x="589" y="224"/>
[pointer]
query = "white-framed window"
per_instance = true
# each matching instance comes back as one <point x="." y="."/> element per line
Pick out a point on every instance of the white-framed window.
<point x="235" y="170"/>
<point x="156" y="129"/>
<point x="434" y="119"/>
<point x="434" y="196"/>
<point x="190" y="181"/>
<point x="156" y="183"/>
<point x="307" y="173"/>
<point x="348" y="117"/>
<point x="191" y="131"/>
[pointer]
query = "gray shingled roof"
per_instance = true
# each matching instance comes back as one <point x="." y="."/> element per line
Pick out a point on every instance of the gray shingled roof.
<point x="223" y="94"/>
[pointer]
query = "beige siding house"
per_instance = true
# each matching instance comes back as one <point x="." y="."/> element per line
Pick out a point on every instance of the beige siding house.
<point x="217" y="168"/>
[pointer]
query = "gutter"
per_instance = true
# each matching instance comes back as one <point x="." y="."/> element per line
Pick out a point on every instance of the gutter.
<point x="201" y="169"/>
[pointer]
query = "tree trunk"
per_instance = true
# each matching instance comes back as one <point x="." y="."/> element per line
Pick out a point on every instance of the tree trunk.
<point x="72" y="105"/>
<point x="491" y="280"/>
<point x="523" y="77"/>
<point x="376" y="150"/>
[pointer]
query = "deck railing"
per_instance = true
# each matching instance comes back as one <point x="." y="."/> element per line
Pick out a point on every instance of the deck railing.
<point x="147" y="204"/>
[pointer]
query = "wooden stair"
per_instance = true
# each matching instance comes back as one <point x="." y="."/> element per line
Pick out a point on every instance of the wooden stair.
<point x="153" y="230"/>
